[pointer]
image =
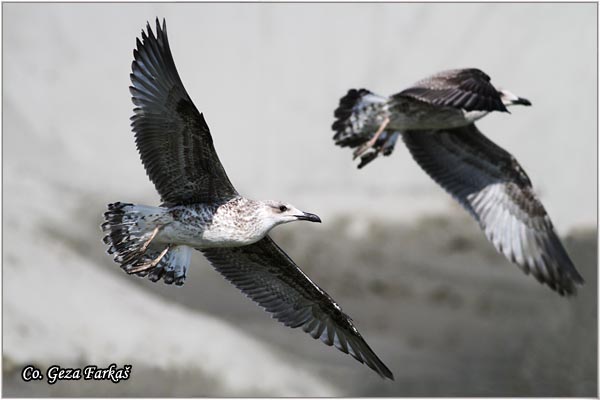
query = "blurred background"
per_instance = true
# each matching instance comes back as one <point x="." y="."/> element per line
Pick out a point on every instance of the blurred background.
<point x="430" y="295"/>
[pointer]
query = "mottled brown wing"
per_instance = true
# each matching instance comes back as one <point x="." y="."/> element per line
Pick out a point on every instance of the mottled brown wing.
<point x="469" y="89"/>
<point x="172" y="137"/>
<point x="493" y="187"/>
<point x="269" y="277"/>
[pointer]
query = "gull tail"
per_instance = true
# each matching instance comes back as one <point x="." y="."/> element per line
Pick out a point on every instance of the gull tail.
<point x="358" y="117"/>
<point x="130" y="232"/>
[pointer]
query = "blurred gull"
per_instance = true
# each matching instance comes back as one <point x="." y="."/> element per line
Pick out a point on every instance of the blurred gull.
<point x="201" y="209"/>
<point x="436" y="120"/>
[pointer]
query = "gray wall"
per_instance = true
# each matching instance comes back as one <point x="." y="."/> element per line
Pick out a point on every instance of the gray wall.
<point x="268" y="77"/>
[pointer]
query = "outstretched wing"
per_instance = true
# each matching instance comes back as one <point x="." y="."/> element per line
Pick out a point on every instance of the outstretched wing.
<point x="269" y="277"/>
<point x="469" y="89"/>
<point x="493" y="187"/>
<point x="171" y="135"/>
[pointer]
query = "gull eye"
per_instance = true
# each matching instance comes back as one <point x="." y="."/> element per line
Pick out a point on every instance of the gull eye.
<point x="282" y="208"/>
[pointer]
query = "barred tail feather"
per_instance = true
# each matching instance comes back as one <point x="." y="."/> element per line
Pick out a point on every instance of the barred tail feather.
<point x="358" y="116"/>
<point x="172" y="268"/>
<point x="129" y="231"/>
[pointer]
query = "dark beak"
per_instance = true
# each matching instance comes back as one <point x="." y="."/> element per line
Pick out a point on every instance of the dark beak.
<point x="522" y="101"/>
<point x="308" y="217"/>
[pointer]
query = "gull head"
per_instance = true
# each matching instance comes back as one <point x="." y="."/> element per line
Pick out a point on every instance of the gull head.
<point x="274" y="213"/>
<point x="510" y="99"/>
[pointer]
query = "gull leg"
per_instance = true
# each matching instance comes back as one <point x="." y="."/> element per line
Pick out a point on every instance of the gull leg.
<point x="145" y="246"/>
<point x="151" y="264"/>
<point x="372" y="141"/>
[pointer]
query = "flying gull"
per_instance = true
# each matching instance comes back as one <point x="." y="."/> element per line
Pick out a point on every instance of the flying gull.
<point x="202" y="210"/>
<point x="435" y="118"/>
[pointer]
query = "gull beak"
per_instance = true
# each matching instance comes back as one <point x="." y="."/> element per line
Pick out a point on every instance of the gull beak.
<point x="511" y="99"/>
<point x="308" y="217"/>
<point x="522" y="101"/>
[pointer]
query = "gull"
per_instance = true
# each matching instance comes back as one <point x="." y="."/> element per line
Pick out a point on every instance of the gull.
<point x="202" y="210"/>
<point x="435" y="118"/>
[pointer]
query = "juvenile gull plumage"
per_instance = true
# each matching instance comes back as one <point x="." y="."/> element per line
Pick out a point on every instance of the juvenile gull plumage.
<point x="435" y="118"/>
<point x="201" y="209"/>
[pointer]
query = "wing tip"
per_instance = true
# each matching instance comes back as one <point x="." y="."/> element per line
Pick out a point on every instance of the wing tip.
<point x="570" y="286"/>
<point x="161" y="30"/>
<point x="386" y="373"/>
<point x="148" y="34"/>
<point x="565" y="283"/>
